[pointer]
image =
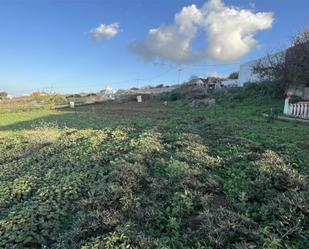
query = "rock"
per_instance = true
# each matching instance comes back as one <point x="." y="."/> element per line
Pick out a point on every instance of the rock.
<point x="203" y="102"/>
<point x="211" y="102"/>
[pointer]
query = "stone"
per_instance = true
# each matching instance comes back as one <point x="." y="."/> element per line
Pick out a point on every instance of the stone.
<point x="203" y="102"/>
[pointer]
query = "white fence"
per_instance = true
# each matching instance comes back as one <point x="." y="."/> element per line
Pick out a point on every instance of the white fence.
<point x="300" y="109"/>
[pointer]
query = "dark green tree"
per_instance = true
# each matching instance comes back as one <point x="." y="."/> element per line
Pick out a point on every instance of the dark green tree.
<point x="3" y="95"/>
<point x="233" y="76"/>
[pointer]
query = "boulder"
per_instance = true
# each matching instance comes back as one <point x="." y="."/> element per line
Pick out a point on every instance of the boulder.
<point x="203" y="102"/>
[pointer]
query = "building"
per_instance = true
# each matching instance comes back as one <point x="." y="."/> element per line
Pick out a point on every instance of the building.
<point x="38" y="94"/>
<point x="209" y="82"/>
<point x="197" y="82"/>
<point x="213" y="83"/>
<point x="108" y="92"/>
<point x="246" y="73"/>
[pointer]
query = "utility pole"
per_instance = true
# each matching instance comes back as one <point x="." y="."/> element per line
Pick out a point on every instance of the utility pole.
<point x="137" y="81"/>
<point x="51" y="89"/>
<point x="179" y="72"/>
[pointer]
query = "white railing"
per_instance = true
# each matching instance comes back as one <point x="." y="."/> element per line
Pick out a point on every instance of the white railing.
<point x="300" y="109"/>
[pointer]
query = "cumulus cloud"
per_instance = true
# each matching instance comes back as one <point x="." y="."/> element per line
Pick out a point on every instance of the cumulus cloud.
<point x="171" y="42"/>
<point x="105" y="31"/>
<point x="229" y="34"/>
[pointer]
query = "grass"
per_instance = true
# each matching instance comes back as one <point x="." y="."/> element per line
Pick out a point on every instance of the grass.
<point x="150" y="176"/>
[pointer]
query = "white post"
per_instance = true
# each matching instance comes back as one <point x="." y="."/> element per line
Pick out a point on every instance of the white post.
<point x="294" y="109"/>
<point x="290" y="111"/>
<point x="139" y="99"/>
<point x="72" y="104"/>
<point x="286" y="106"/>
<point x="301" y="110"/>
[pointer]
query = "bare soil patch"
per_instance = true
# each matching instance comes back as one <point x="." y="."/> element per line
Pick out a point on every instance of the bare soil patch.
<point x="155" y="110"/>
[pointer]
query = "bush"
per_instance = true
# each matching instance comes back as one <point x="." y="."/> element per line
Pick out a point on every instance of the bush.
<point x="252" y="91"/>
<point x="176" y="94"/>
<point x="287" y="215"/>
<point x="276" y="174"/>
<point x="274" y="89"/>
<point x="221" y="227"/>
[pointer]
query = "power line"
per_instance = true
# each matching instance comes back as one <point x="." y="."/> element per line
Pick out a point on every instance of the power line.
<point x="54" y="86"/>
<point x="179" y="70"/>
<point x="161" y="74"/>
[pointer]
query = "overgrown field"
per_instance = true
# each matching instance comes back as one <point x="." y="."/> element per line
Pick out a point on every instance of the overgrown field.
<point x="154" y="177"/>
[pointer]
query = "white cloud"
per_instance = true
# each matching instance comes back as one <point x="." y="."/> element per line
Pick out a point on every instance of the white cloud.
<point x="230" y="31"/>
<point x="229" y="34"/>
<point x="105" y="31"/>
<point x="171" y="42"/>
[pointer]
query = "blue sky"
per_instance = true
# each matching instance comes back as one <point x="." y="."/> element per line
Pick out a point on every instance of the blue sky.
<point x="48" y="44"/>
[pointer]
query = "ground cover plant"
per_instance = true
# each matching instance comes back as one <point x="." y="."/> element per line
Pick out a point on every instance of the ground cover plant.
<point x="154" y="176"/>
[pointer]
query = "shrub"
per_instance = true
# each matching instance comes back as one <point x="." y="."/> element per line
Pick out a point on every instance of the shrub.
<point x="176" y="94"/>
<point x="191" y="149"/>
<point x="222" y="226"/>
<point x="276" y="174"/>
<point x="274" y="89"/>
<point x="287" y="215"/>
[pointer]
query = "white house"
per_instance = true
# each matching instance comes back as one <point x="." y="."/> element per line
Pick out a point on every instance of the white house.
<point x="197" y="82"/>
<point x="246" y="70"/>
<point x="108" y="92"/>
<point x="246" y="73"/>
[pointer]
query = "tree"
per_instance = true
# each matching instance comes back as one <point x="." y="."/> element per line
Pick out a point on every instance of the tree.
<point x="160" y="86"/>
<point x="3" y="95"/>
<point x="271" y="68"/>
<point x="297" y="59"/>
<point x="290" y="68"/>
<point x="233" y="76"/>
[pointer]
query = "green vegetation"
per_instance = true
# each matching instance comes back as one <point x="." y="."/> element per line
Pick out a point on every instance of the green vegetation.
<point x="23" y="104"/>
<point x="155" y="176"/>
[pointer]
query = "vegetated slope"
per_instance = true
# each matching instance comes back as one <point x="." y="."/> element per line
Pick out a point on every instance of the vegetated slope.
<point x="202" y="178"/>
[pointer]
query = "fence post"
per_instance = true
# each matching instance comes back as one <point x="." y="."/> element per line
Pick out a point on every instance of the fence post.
<point x="306" y="111"/>
<point x="286" y="106"/>
<point x="301" y="110"/>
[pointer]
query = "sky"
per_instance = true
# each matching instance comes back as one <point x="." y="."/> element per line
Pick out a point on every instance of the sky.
<point x="85" y="46"/>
